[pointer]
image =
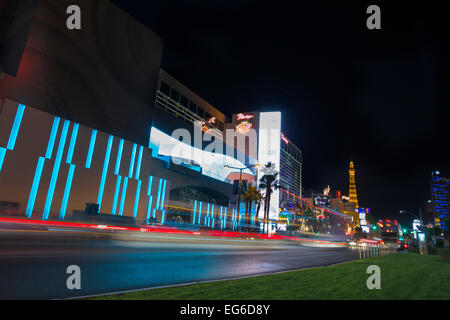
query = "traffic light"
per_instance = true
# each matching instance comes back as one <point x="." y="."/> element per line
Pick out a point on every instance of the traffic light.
<point x="374" y="227"/>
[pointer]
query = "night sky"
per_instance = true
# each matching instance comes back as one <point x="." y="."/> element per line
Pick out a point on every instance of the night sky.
<point x="378" y="97"/>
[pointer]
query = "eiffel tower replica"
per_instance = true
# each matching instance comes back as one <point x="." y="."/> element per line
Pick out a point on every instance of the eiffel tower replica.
<point x="353" y="197"/>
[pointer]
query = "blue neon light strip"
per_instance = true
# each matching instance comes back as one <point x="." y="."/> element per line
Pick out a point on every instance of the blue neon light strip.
<point x="150" y="199"/>
<point x="224" y="218"/>
<point x="73" y="140"/>
<point x="163" y="215"/>
<point x="51" y="141"/>
<point x="150" y="182"/>
<point x="116" y="194"/>
<point x="91" y="148"/>
<point x="159" y="193"/>
<point x="133" y="157"/>
<point x="138" y="168"/>
<point x="212" y="216"/>
<point x="105" y="172"/>
<point x="124" y="192"/>
<point x="195" y="209"/>
<point x="2" y="157"/>
<point x="207" y="215"/>
<point x="15" y="127"/>
<point x="136" y="201"/>
<point x="163" y="195"/>
<point x="59" y="153"/>
<point x="199" y="212"/>
<point x="34" y="187"/>
<point x="119" y="157"/>
<point x="62" y="213"/>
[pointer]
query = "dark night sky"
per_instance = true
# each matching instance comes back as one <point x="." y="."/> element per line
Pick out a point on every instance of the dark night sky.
<point x="376" y="96"/>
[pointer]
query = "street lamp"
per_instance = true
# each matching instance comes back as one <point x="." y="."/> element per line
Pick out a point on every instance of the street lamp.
<point x="420" y="213"/>
<point x="240" y="182"/>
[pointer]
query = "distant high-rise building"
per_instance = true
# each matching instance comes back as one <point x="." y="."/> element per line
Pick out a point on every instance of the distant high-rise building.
<point x="352" y="186"/>
<point x="440" y="197"/>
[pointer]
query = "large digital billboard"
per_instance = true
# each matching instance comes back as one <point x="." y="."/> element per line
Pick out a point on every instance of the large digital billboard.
<point x="269" y="151"/>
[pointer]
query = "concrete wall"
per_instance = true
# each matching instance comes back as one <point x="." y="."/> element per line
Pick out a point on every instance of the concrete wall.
<point x="103" y="76"/>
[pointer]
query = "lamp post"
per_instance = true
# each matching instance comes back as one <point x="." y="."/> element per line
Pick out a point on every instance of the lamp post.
<point x="240" y="182"/>
<point x="423" y="244"/>
<point x="420" y="213"/>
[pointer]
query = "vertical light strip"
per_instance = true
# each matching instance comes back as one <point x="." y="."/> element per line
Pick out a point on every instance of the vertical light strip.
<point x="138" y="168"/>
<point x="207" y="215"/>
<point x="15" y="127"/>
<point x="62" y="213"/>
<point x="119" y="157"/>
<point x="133" y="158"/>
<point x="124" y="193"/>
<point x="51" y="141"/>
<point x="163" y="213"/>
<point x="162" y="201"/>
<point x="116" y="194"/>
<point x="225" y="218"/>
<point x="136" y="200"/>
<point x="55" y="172"/>
<point x="73" y="140"/>
<point x="163" y="195"/>
<point x="195" y="209"/>
<point x="105" y="172"/>
<point x="150" y="182"/>
<point x="221" y="218"/>
<point x="212" y="216"/>
<point x="2" y="157"/>
<point x="34" y="187"/>
<point x="91" y="148"/>
<point x="159" y="193"/>
<point x="199" y="212"/>
<point x="150" y="199"/>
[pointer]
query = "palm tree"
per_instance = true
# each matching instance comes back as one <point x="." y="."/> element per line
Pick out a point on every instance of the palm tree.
<point x="269" y="182"/>
<point x="251" y="194"/>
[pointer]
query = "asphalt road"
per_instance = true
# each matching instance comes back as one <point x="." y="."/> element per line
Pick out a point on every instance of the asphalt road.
<point x="33" y="260"/>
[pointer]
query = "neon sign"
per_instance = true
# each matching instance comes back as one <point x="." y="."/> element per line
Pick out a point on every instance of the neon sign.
<point x="284" y="138"/>
<point x="242" y="116"/>
<point x="244" y="127"/>
<point x="212" y="120"/>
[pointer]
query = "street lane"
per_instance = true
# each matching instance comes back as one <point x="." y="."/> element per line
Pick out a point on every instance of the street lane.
<point x="33" y="262"/>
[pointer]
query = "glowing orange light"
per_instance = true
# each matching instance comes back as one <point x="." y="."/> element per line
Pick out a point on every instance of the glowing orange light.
<point x="244" y="127"/>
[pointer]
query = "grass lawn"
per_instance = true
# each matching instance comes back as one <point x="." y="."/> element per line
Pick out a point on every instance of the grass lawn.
<point x="403" y="276"/>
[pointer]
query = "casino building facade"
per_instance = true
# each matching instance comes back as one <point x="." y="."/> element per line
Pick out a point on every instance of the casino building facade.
<point x="88" y="117"/>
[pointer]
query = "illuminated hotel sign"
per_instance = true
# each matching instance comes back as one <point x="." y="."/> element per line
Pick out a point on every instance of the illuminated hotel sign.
<point x="284" y="138"/>
<point x="269" y="151"/>
<point x="241" y="116"/>
<point x="244" y="123"/>
<point x="244" y="127"/>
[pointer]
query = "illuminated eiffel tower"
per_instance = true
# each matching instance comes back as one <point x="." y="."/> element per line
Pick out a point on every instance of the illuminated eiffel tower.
<point x="353" y="197"/>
